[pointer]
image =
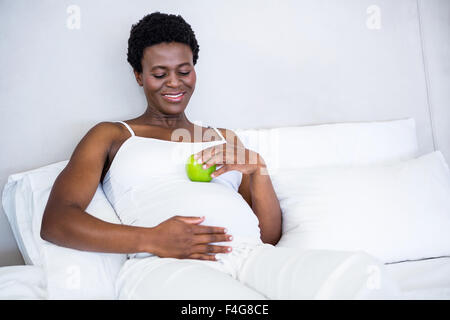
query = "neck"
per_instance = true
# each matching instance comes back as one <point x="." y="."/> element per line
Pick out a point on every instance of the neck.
<point x="157" y="118"/>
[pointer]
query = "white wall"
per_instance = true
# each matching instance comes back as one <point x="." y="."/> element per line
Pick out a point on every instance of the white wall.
<point x="261" y="64"/>
<point x="435" y="26"/>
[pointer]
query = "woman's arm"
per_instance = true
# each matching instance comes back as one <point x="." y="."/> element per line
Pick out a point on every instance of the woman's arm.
<point x="66" y="223"/>
<point x="70" y="226"/>
<point x="177" y="237"/>
<point x="256" y="187"/>
<point x="265" y="204"/>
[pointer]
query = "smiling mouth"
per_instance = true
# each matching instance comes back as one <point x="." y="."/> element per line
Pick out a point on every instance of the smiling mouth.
<point x="174" y="97"/>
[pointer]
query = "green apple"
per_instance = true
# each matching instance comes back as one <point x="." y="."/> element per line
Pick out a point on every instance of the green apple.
<point x="195" y="172"/>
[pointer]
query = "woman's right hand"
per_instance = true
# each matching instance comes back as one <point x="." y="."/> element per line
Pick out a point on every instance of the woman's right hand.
<point x="183" y="238"/>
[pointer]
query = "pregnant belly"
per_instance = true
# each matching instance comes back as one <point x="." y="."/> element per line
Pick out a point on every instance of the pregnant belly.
<point x="221" y="205"/>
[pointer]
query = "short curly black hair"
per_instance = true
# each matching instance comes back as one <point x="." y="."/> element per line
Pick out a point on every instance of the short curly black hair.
<point x="156" y="28"/>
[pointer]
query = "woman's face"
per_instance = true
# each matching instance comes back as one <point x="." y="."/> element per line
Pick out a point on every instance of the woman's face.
<point x="168" y="76"/>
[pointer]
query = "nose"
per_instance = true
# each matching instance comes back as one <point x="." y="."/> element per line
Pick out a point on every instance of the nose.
<point x="172" y="80"/>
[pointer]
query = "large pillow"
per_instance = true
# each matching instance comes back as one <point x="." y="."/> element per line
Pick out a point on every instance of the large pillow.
<point x="352" y="143"/>
<point x="71" y="274"/>
<point x="394" y="212"/>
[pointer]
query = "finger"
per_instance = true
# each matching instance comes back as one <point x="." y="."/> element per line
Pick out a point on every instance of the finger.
<point x="192" y="220"/>
<point x="202" y="256"/>
<point x="209" y="229"/>
<point x="208" y="153"/>
<point x="217" y="159"/>
<point x="208" y="238"/>
<point x="203" y="154"/>
<point x="220" y="157"/>
<point x="204" y="248"/>
<point x="199" y="154"/>
<point x="221" y="170"/>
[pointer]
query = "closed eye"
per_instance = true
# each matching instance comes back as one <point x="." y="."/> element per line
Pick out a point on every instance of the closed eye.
<point x="163" y="75"/>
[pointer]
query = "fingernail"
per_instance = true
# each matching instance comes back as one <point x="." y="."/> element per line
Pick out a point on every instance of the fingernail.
<point x="204" y="166"/>
<point x="229" y="249"/>
<point x="225" y="230"/>
<point x="230" y="238"/>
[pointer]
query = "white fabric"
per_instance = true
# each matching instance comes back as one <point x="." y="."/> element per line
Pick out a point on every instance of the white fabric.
<point x="357" y="143"/>
<point x="73" y="274"/>
<point x="395" y="212"/>
<point x="424" y="279"/>
<point x="22" y="283"/>
<point x="24" y="202"/>
<point x="24" y="199"/>
<point x="157" y="158"/>
<point x="147" y="184"/>
<point x="26" y="193"/>
<point x="259" y="272"/>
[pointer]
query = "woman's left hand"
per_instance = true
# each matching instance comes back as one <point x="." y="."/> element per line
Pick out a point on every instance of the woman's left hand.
<point x="232" y="157"/>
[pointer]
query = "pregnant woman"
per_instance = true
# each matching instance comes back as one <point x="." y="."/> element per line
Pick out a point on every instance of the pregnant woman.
<point x="184" y="239"/>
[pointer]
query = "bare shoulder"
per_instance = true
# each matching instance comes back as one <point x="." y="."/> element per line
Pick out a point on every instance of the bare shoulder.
<point x="107" y="129"/>
<point x="78" y="181"/>
<point x="106" y="133"/>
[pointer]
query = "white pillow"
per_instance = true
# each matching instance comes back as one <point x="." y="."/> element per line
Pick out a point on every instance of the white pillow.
<point x="71" y="274"/>
<point x="21" y="194"/>
<point x="394" y="212"/>
<point x="333" y="144"/>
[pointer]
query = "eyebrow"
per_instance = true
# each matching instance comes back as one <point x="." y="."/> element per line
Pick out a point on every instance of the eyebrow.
<point x="163" y="67"/>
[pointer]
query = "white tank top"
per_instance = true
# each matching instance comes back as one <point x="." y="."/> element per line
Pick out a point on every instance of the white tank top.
<point x="147" y="184"/>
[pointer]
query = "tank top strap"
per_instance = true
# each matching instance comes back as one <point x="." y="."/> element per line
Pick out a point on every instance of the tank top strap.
<point x="218" y="132"/>
<point x="128" y="127"/>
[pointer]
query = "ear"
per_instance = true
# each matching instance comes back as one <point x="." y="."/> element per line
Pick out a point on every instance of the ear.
<point x="138" y="76"/>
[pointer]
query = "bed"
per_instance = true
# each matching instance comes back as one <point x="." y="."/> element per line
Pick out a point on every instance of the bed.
<point x="425" y="279"/>
<point x="341" y="182"/>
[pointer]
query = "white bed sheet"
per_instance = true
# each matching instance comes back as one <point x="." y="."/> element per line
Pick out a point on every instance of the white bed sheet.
<point x="423" y="279"/>
<point x="22" y="282"/>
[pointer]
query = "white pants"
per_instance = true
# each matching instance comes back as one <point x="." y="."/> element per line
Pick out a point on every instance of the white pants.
<point x="258" y="272"/>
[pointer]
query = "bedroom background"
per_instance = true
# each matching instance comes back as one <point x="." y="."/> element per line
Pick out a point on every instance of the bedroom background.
<point x="261" y="64"/>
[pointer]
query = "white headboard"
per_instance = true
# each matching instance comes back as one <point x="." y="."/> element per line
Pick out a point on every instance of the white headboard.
<point x="261" y="64"/>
